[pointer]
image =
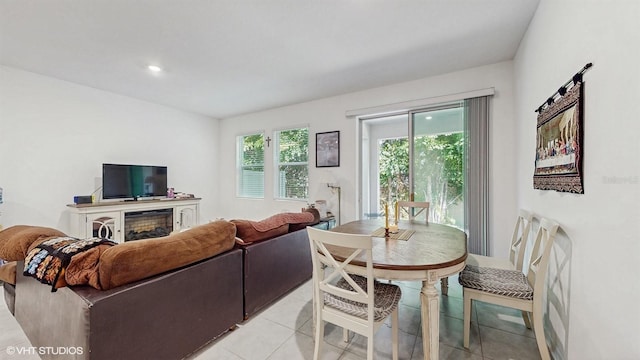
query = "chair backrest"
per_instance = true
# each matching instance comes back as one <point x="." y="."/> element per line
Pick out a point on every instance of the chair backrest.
<point x="410" y="208"/>
<point x="355" y="246"/>
<point x="520" y="238"/>
<point x="539" y="263"/>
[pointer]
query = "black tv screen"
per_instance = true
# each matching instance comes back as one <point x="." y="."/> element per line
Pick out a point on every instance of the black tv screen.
<point x="133" y="181"/>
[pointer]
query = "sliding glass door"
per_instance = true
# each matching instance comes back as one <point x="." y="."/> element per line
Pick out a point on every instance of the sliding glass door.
<point x="437" y="154"/>
<point x="416" y="156"/>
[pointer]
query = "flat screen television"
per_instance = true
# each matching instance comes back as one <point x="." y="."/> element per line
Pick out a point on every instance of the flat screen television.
<point x="133" y="181"/>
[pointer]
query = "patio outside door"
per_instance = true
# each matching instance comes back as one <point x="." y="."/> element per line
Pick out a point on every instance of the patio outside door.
<point x="436" y="153"/>
<point x="417" y="155"/>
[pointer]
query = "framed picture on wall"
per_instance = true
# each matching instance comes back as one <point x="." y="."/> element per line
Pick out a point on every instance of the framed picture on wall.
<point x="558" y="164"/>
<point x="328" y="149"/>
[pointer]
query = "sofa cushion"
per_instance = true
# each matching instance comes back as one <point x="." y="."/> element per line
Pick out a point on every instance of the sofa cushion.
<point x="16" y="241"/>
<point x="276" y="225"/>
<point x="8" y="272"/>
<point x="136" y="260"/>
<point x="248" y="233"/>
<point x="298" y="226"/>
<point x="83" y="268"/>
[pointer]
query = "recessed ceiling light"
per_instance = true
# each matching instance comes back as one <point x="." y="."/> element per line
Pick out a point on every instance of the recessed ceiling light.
<point x="429" y="117"/>
<point x="154" y="68"/>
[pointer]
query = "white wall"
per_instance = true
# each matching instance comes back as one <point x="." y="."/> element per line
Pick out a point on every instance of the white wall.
<point x="329" y="114"/>
<point x="600" y="228"/>
<point x="55" y="135"/>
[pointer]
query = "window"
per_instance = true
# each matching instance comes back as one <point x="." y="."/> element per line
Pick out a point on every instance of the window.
<point x="292" y="163"/>
<point x="250" y="164"/>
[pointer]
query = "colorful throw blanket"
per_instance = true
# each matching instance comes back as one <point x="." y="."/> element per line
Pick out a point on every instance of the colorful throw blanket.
<point x="48" y="261"/>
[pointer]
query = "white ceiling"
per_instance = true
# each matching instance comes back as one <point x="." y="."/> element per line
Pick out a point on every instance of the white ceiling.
<point x="227" y="57"/>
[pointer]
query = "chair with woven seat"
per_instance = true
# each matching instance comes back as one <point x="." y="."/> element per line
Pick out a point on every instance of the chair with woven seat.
<point x="516" y="252"/>
<point x="512" y="288"/>
<point x="353" y="302"/>
<point x="516" y="248"/>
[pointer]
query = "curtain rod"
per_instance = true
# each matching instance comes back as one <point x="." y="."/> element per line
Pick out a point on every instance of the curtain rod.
<point x="417" y="104"/>
<point x="563" y="89"/>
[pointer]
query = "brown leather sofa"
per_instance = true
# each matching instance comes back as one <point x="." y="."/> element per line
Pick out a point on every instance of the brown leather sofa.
<point x="157" y="299"/>
<point x="10" y="296"/>
<point x="276" y="256"/>
<point x="167" y="316"/>
<point x="274" y="267"/>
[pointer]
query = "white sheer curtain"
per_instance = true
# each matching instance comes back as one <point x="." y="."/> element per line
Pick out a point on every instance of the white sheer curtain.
<point x="477" y="111"/>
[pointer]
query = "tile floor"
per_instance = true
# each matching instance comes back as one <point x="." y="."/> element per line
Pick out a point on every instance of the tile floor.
<point x="283" y="331"/>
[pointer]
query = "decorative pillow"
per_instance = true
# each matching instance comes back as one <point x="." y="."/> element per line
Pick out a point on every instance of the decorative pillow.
<point x="16" y="241"/>
<point x="136" y="260"/>
<point x="8" y="272"/>
<point x="246" y="231"/>
<point x="48" y="261"/>
<point x="303" y="225"/>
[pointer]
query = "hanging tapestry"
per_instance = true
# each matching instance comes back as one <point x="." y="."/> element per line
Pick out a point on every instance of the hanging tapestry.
<point x="558" y="164"/>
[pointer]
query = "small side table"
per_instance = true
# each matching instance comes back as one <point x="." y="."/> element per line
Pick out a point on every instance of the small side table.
<point x="326" y="223"/>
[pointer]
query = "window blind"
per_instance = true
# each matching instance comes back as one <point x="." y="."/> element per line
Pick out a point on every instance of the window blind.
<point x="250" y="166"/>
<point x="292" y="163"/>
<point x="477" y="112"/>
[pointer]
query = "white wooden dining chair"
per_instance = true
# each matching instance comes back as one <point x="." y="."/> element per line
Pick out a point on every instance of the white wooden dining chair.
<point x="517" y="249"/>
<point x="414" y="208"/>
<point x="355" y="303"/>
<point x="512" y="288"/>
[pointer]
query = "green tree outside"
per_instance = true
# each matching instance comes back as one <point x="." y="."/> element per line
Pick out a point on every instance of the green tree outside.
<point x="253" y="150"/>
<point x="293" y="163"/>
<point x="293" y="155"/>
<point x="251" y="181"/>
<point x="439" y="173"/>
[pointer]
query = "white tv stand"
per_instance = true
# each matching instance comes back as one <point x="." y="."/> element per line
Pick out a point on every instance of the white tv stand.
<point x="109" y="219"/>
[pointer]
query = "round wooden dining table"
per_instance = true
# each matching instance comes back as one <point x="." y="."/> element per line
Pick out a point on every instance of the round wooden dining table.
<point x="418" y="252"/>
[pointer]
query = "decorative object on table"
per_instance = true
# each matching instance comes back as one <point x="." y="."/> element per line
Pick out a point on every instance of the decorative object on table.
<point x="337" y="187"/>
<point x="328" y="149"/>
<point x="321" y="205"/>
<point x="386" y="220"/>
<point x="400" y="234"/>
<point x="396" y="214"/>
<point x="393" y="228"/>
<point x="558" y="164"/>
